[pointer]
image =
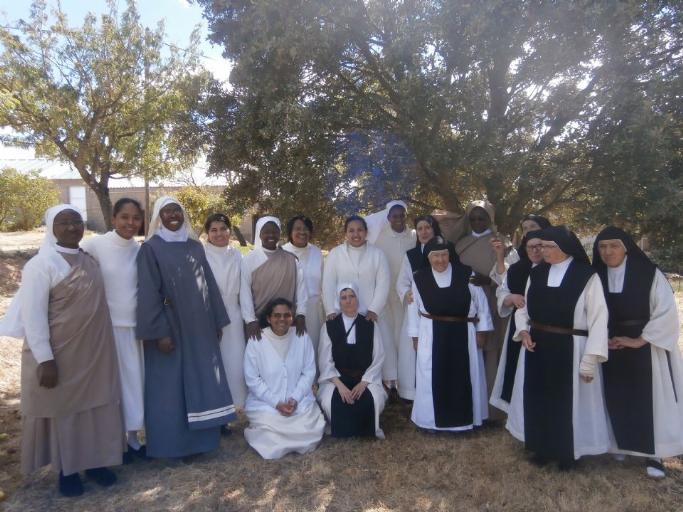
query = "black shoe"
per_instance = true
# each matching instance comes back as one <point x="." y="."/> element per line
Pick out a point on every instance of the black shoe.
<point x="70" y="485"/>
<point x="566" y="465"/>
<point x="131" y="454"/>
<point x="226" y="431"/>
<point x="101" y="476"/>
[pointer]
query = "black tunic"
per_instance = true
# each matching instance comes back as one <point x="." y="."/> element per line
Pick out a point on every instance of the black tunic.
<point x="451" y="383"/>
<point x="549" y="369"/>
<point x="628" y="372"/>
<point x="352" y="361"/>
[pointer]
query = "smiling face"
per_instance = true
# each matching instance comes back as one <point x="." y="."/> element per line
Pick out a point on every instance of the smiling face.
<point x="356" y="233"/>
<point x="270" y="235"/>
<point x="301" y="235"/>
<point x="172" y="217"/>
<point x="68" y="228"/>
<point x="397" y="218"/>
<point x="533" y="250"/>
<point x="479" y="220"/>
<point x="280" y="320"/>
<point x="425" y="231"/>
<point x="348" y="302"/>
<point x="439" y="260"/>
<point x="612" y="252"/>
<point x="219" y="234"/>
<point x="128" y="221"/>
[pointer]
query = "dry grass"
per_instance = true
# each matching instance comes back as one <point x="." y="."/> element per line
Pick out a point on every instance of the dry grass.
<point x="483" y="470"/>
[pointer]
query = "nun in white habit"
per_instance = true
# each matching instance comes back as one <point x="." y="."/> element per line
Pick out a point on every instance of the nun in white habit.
<point x="225" y="262"/>
<point x="387" y="230"/>
<point x="350" y="357"/>
<point x="280" y="370"/>
<point x="269" y="272"/>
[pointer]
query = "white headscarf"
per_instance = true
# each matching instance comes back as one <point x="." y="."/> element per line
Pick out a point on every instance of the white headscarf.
<point x="378" y="221"/>
<point x="258" y="254"/>
<point x="157" y="228"/>
<point x="341" y="287"/>
<point x="11" y="324"/>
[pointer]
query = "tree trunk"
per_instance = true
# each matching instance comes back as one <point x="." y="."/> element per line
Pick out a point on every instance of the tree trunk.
<point x="102" y="193"/>
<point x="239" y="236"/>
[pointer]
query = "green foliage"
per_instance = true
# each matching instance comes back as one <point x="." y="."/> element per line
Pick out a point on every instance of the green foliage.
<point x="108" y="96"/>
<point x="200" y="202"/>
<point x="24" y="199"/>
<point x="511" y="100"/>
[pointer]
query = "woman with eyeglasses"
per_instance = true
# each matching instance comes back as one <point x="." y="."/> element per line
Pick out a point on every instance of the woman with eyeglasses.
<point x="280" y="369"/>
<point x="70" y="391"/>
<point x="510" y="296"/>
<point x="116" y="253"/>
<point x="557" y="407"/>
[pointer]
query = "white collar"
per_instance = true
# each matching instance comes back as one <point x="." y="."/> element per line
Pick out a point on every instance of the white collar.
<point x="483" y="233"/>
<point x="119" y="240"/>
<point x="66" y="250"/>
<point x="180" y="235"/>
<point x="615" y="277"/>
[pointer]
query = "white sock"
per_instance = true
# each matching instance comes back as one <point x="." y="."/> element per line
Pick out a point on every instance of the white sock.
<point x="133" y="441"/>
<point x="654" y="472"/>
<point x="619" y="457"/>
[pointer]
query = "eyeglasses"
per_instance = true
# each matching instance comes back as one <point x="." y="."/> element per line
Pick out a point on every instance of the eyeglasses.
<point x="534" y="247"/>
<point x="549" y="247"/>
<point x="281" y="315"/>
<point x="64" y="223"/>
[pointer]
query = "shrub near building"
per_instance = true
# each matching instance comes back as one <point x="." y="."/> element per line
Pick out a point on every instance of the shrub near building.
<point x="23" y="199"/>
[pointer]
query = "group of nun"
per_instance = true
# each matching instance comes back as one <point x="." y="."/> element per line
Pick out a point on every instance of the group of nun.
<point x="174" y="337"/>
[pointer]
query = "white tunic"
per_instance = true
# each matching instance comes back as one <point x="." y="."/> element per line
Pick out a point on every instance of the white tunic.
<point x="271" y="380"/>
<point x="367" y="267"/>
<point x="250" y="263"/>
<point x="117" y="259"/>
<point x="421" y="328"/>
<point x="373" y="375"/>
<point x="588" y="408"/>
<point x="225" y="263"/>
<point x="662" y="333"/>
<point x="311" y="261"/>
<point x="406" y="352"/>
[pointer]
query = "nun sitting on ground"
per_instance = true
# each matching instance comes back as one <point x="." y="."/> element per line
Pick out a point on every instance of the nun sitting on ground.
<point x="279" y="370"/>
<point x="350" y="355"/>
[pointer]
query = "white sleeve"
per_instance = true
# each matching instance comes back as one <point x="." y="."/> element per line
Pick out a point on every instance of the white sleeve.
<point x="90" y="246"/>
<point x="382" y="284"/>
<point x="330" y="282"/>
<point x="36" y="282"/>
<point x="301" y="291"/>
<point x="501" y="293"/>
<point x="663" y="327"/>
<point x="252" y="376"/>
<point x="325" y="362"/>
<point x="307" y="377"/>
<point x="246" y="299"/>
<point x="522" y="315"/>
<point x="374" y="371"/>
<point x="479" y="306"/>
<point x="414" y="313"/>
<point x="405" y="279"/>
<point x="596" y="318"/>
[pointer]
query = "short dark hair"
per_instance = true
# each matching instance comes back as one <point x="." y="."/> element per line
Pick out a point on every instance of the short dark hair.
<point x="431" y="220"/>
<point x="268" y="310"/>
<point x="216" y="217"/>
<point x="118" y="205"/>
<point x="352" y="218"/>
<point x="290" y="225"/>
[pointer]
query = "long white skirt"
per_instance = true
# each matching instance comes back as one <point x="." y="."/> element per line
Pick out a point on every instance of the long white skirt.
<point x="379" y="397"/>
<point x="132" y="372"/>
<point x="406" y="363"/>
<point x="314" y="321"/>
<point x="273" y="435"/>
<point x="232" y="352"/>
<point x="389" y="323"/>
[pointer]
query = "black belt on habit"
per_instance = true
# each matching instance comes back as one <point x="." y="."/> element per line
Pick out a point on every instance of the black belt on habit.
<point x="556" y="329"/>
<point x="461" y="319"/>
<point x="354" y="374"/>
<point x="631" y="323"/>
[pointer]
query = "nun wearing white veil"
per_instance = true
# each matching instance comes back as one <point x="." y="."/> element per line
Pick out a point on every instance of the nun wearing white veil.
<point x="350" y="356"/>
<point x="70" y="391"/>
<point x="180" y="315"/>
<point x="269" y="272"/>
<point x="387" y="230"/>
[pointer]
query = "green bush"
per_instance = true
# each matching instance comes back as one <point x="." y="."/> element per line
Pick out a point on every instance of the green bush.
<point x="200" y="202"/>
<point x="24" y="199"/>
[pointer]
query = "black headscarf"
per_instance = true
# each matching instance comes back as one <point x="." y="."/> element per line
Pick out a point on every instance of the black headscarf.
<point x="438" y="243"/>
<point x="567" y="241"/>
<point x="523" y="255"/>
<point x="636" y="257"/>
<point x="542" y="222"/>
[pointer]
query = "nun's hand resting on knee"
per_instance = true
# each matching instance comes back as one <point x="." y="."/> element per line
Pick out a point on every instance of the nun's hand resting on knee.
<point x="344" y="392"/>
<point x="358" y="389"/>
<point x="166" y="345"/>
<point x="47" y="374"/>
<point x="527" y="341"/>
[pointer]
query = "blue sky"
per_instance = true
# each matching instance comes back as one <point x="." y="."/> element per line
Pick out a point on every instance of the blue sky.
<point x="180" y="18"/>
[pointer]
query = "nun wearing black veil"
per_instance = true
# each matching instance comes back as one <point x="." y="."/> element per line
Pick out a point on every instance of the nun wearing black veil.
<point x="557" y="407"/>
<point x="644" y="371"/>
